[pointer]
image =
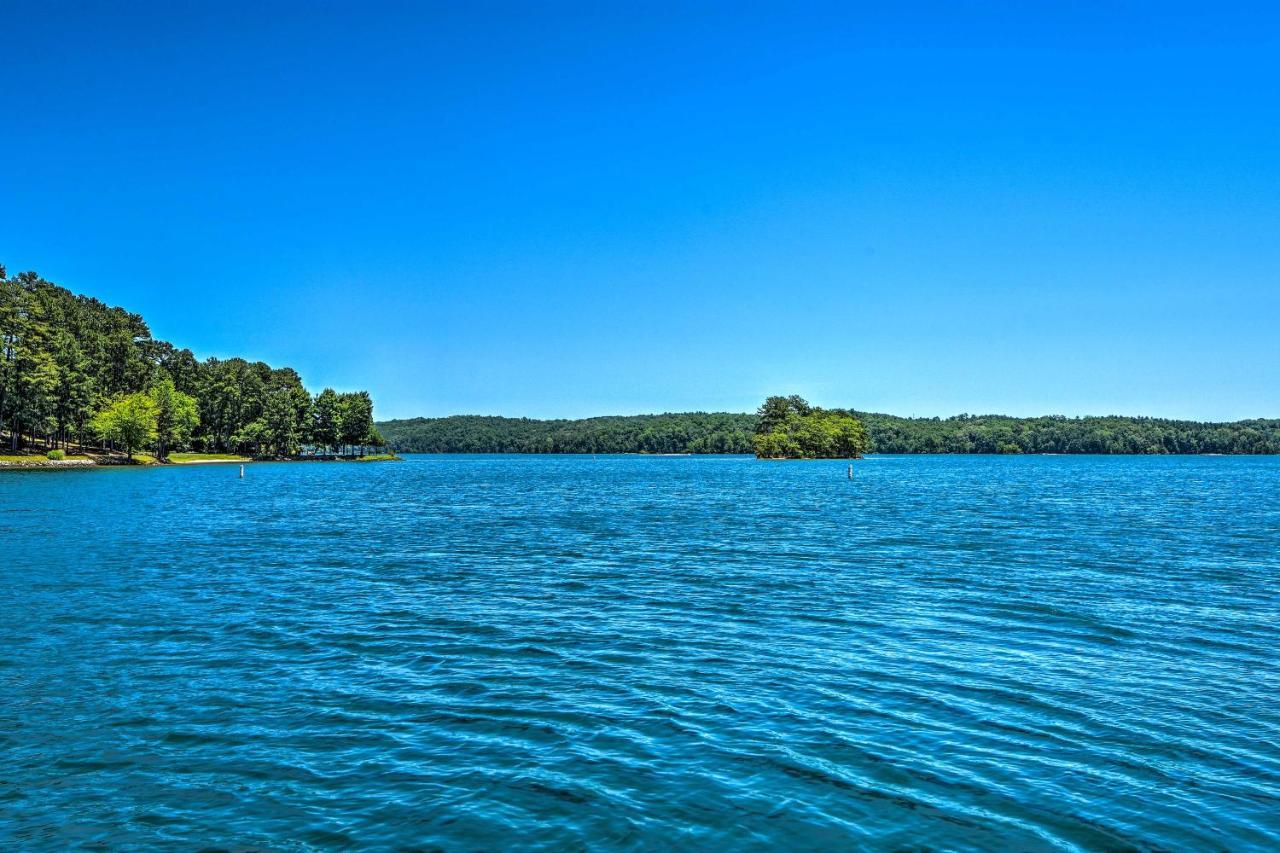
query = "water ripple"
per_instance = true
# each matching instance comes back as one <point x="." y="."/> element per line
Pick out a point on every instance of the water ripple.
<point x="708" y="653"/>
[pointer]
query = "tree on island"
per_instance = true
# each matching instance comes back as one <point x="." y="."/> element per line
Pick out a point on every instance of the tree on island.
<point x="789" y="428"/>
<point x="774" y="411"/>
<point x="325" y="419"/>
<point x="355" y="419"/>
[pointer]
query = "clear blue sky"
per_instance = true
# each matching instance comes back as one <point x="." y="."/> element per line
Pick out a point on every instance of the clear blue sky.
<point x="565" y="210"/>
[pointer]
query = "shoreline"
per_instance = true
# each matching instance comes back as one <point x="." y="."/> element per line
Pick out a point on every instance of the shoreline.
<point x="36" y="462"/>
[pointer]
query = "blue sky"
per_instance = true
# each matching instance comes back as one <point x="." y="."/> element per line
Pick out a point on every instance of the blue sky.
<point x="567" y="210"/>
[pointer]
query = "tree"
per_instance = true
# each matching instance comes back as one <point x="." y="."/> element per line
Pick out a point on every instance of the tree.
<point x="10" y="298"/>
<point x="280" y="427"/>
<point x="251" y="437"/>
<point x="64" y="356"/>
<point x="851" y="439"/>
<point x="775" y="410"/>
<point x="355" y="418"/>
<point x="180" y="365"/>
<point x="32" y="374"/>
<point x="325" y="423"/>
<point x="129" y="420"/>
<point x="73" y="392"/>
<point x="176" y="416"/>
<point x="797" y="430"/>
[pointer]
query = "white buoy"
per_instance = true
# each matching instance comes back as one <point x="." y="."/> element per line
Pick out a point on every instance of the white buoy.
<point x="242" y="472"/>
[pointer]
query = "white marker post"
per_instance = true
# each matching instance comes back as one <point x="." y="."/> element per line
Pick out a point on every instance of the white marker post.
<point x="242" y="472"/>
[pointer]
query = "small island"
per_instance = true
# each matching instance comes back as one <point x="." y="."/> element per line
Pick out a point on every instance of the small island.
<point x="790" y="428"/>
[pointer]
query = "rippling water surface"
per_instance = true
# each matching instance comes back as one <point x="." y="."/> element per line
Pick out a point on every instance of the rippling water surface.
<point x="710" y="653"/>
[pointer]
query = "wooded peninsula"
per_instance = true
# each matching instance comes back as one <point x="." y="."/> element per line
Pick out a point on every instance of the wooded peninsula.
<point x="83" y="379"/>
<point x="724" y="432"/>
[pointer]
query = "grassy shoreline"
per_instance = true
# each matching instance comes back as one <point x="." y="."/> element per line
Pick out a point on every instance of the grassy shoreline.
<point x="104" y="459"/>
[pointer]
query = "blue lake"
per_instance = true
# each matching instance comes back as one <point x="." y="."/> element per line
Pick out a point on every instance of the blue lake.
<point x="993" y="653"/>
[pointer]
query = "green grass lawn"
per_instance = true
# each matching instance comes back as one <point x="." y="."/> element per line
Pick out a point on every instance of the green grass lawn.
<point x="208" y="457"/>
<point x="39" y="460"/>
<point x="22" y="460"/>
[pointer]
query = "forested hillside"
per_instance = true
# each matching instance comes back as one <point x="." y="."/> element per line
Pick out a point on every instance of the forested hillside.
<point x="692" y="432"/>
<point x="1058" y="434"/>
<point x="700" y="432"/>
<point x="76" y="371"/>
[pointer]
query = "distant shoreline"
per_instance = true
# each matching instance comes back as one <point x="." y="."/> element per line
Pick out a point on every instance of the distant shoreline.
<point x="731" y="432"/>
<point x="790" y="459"/>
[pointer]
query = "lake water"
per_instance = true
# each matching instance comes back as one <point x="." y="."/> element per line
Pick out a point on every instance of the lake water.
<point x="639" y="653"/>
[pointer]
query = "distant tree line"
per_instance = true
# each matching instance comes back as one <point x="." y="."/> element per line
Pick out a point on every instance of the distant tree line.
<point x="1057" y="434"/>
<point x="701" y="432"/>
<point x="692" y="432"/>
<point x="74" y="371"/>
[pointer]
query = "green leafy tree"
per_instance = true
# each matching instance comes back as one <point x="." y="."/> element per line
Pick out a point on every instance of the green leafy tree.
<point x="180" y="365"/>
<point x="355" y="418"/>
<point x="10" y="308"/>
<point x="73" y="392"/>
<point x="251" y="437"/>
<point x="326" y="419"/>
<point x="63" y="357"/>
<point x="177" y="416"/>
<point x="32" y="375"/>
<point x="281" y="429"/>
<point x="775" y="410"/>
<point x="789" y="428"/>
<point x="129" y="421"/>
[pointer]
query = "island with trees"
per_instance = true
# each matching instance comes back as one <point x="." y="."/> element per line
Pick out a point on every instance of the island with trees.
<point x="85" y="383"/>
<point x="728" y="432"/>
<point x="789" y="428"/>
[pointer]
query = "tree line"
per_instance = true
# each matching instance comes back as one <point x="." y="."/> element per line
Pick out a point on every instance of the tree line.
<point x="702" y="432"/>
<point x="692" y="432"/>
<point x="1109" y="434"/>
<point x="74" y="371"/>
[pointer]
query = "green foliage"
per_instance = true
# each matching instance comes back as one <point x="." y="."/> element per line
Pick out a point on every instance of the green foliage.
<point x="176" y="415"/>
<point x="325" y="419"/>
<point x="208" y="457"/>
<point x="775" y="410"/>
<point x="695" y="432"/>
<point x="57" y="455"/>
<point x="699" y="432"/>
<point x="343" y="420"/>
<point x="66" y="359"/>
<point x="789" y="428"/>
<point x="1057" y="434"/>
<point x="129" y="421"/>
<point x="355" y="418"/>
<point x="281" y="428"/>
